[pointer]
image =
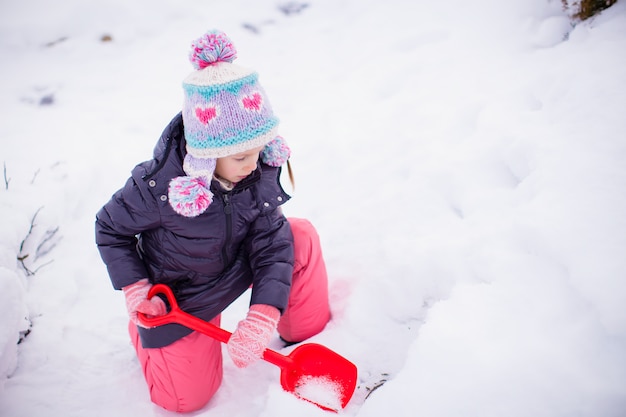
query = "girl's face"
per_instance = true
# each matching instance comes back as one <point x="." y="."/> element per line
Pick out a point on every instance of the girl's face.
<point x="235" y="168"/>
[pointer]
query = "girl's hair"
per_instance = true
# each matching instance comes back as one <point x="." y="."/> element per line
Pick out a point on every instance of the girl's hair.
<point x="290" y="171"/>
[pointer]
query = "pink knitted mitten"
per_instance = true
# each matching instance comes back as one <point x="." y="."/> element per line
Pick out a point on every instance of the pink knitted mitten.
<point x="137" y="301"/>
<point x="253" y="334"/>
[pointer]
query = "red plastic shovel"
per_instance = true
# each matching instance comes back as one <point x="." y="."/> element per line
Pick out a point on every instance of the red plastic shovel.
<point x="311" y="371"/>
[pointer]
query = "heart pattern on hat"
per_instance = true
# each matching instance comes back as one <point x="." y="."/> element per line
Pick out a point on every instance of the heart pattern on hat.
<point x="252" y="102"/>
<point x="206" y="114"/>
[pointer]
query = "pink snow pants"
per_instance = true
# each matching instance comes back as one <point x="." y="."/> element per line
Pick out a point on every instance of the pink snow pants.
<point x="183" y="376"/>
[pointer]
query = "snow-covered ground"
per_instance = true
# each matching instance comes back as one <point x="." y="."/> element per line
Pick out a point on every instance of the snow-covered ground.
<point x="464" y="163"/>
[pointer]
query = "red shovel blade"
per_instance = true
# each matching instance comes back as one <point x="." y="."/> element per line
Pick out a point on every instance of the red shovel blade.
<point x="311" y="371"/>
<point x="319" y="375"/>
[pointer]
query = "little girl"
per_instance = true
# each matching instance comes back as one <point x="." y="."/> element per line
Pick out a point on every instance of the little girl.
<point x="204" y="217"/>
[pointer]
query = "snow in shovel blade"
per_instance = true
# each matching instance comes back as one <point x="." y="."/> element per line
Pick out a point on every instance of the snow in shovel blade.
<point x="320" y="390"/>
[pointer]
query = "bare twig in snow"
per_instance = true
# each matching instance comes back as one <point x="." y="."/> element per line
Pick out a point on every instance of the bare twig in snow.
<point x="35" y="177"/>
<point x="6" y="179"/>
<point x="46" y="244"/>
<point x="42" y="249"/>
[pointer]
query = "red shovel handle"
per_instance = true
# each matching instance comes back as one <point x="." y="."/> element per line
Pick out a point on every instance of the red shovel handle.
<point x="176" y="315"/>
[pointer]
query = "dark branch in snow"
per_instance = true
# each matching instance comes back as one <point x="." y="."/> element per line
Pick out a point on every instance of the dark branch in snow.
<point x="46" y="244"/>
<point x="6" y="179"/>
<point x="35" y="177"/>
<point x="43" y="248"/>
<point x="377" y="384"/>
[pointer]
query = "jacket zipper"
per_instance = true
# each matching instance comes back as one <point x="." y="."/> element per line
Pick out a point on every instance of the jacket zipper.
<point x="228" y="210"/>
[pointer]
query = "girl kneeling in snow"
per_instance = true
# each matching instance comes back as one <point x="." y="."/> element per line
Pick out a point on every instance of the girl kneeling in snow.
<point x="203" y="217"/>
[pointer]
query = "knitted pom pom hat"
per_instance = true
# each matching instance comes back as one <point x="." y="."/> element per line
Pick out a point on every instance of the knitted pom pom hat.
<point x="225" y="112"/>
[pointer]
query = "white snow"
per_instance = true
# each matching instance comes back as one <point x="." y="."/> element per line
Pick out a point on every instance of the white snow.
<point x="320" y="390"/>
<point x="464" y="163"/>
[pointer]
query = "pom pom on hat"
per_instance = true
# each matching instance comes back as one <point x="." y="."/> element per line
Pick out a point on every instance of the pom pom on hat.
<point x="276" y="152"/>
<point x="211" y="48"/>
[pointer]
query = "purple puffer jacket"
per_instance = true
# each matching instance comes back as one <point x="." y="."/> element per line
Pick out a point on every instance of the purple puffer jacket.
<point x="210" y="260"/>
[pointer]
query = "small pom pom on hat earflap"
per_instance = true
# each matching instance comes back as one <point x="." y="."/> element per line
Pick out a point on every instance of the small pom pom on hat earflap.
<point x="212" y="47"/>
<point x="276" y="152"/>
<point x="190" y="196"/>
